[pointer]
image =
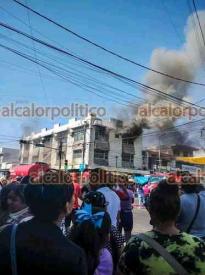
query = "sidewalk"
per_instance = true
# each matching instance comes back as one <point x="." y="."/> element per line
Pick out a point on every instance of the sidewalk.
<point x="141" y="221"/>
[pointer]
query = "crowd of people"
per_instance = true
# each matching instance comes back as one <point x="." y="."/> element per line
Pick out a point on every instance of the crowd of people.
<point x="59" y="227"/>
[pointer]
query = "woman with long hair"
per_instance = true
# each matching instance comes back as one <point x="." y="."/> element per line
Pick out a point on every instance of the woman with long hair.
<point x="91" y="232"/>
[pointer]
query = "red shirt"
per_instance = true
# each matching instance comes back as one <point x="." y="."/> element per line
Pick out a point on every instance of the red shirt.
<point x="77" y="191"/>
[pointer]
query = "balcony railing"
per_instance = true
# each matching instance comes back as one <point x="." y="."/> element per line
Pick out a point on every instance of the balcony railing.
<point x="127" y="164"/>
<point x="128" y="149"/>
<point x="100" y="161"/>
<point x="77" y="145"/>
<point x="102" y="145"/>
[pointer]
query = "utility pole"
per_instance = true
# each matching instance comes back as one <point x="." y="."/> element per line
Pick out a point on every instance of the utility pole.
<point x="116" y="158"/>
<point x="84" y="140"/>
<point x="159" y="167"/>
<point x="83" y="153"/>
<point x="147" y="160"/>
<point x="60" y="153"/>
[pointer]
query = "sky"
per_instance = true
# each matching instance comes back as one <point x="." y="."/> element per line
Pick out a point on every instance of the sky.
<point x="131" y="28"/>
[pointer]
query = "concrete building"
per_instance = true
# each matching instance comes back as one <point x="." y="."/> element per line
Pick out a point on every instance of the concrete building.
<point x="165" y="156"/>
<point x="9" y="157"/>
<point x="92" y="141"/>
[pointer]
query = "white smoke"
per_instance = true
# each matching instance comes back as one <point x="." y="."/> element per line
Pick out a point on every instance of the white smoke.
<point x="183" y="63"/>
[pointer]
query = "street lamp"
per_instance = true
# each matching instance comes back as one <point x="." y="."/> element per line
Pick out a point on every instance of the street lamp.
<point x="159" y="167"/>
<point x="84" y="140"/>
<point x="159" y="152"/>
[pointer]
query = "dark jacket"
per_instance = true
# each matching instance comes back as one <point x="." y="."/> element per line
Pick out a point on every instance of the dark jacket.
<point x="41" y="249"/>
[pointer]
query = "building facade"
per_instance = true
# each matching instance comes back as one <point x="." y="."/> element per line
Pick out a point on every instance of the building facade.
<point x="165" y="157"/>
<point x="93" y="142"/>
<point x="9" y="157"/>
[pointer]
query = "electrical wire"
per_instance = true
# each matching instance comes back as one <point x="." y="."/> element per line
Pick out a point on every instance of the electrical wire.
<point x="70" y="80"/>
<point x="100" y="68"/>
<point x="35" y="55"/>
<point x="199" y="23"/>
<point x="77" y="72"/>
<point x="105" y="49"/>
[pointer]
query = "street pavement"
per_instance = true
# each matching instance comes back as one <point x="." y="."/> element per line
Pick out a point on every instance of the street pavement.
<point x="141" y="221"/>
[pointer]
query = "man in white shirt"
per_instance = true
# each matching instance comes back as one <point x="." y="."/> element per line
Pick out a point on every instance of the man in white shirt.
<point x="113" y="207"/>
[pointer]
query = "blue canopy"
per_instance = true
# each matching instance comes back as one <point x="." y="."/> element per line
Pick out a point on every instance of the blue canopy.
<point x="142" y="180"/>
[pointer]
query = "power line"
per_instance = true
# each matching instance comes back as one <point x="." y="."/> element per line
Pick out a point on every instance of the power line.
<point x="34" y="29"/>
<point x="82" y="83"/>
<point x="168" y="128"/>
<point x="195" y="28"/>
<point x="100" y="68"/>
<point x="109" y="86"/>
<point x="35" y="54"/>
<point x="105" y="49"/>
<point x="70" y="80"/>
<point x="202" y="34"/>
<point x="147" y="90"/>
<point x="79" y="73"/>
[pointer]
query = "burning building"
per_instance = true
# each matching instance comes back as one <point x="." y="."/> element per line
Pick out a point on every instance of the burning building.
<point x="92" y="141"/>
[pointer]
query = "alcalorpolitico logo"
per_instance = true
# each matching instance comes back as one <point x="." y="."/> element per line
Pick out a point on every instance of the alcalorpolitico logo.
<point x="33" y="110"/>
<point x="170" y="111"/>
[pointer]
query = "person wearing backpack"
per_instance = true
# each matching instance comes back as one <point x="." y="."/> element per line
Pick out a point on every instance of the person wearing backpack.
<point x="163" y="250"/>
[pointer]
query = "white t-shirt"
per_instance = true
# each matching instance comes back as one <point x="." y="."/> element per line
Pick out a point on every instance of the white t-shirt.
<point x="113" y="203"/>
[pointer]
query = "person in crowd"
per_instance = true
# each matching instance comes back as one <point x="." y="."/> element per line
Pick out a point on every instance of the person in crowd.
<point x="91" y="231"/>
<point x="77" y="191"/>
<point x="140" y="195"/>
<point x="192" y="211"/>
<point x="113" y="202"/>
<point x="13" y="205"/>
<point x="76" y="197"/>
<point x="85" y="189"/>
<point x="3" y="182"/>
<point x="140" y="256"/>
<point x="146" y="194"/>
<point x="38" y="246"/>
<point x="126" y="216"/>
<point x="116" y="241"/>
